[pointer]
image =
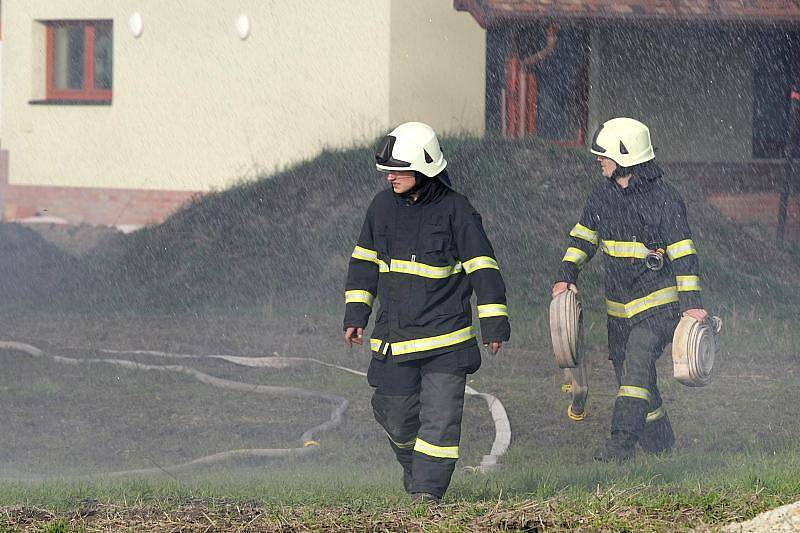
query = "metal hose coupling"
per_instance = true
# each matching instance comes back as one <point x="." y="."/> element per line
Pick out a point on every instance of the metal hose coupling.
<point x="654" y="260"/>
<point x="566" y="333"/>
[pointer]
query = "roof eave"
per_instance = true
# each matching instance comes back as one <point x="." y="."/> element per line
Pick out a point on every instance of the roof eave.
<point x="487" y="17"/>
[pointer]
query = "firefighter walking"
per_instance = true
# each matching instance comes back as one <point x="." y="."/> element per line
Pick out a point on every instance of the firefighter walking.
<point x="421" y="251"/>
<point x="651" y="269"/>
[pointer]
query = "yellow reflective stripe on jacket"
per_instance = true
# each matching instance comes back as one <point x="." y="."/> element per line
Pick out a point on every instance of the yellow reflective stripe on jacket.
<point x="375" y="346"/>
<point x="489" y="310"/>
<point x="477" y="263"/>
<point x="658" y="414"/>
<point x="357" y="296"/>
<point x="632" y="249"/>
<point x="421" y="269"/>
<point x="431" y="450"/>
<point x="575" y="255"/>
<point x="582" y="232"/>
<point x="365" y="254"/>
<point x="681" y="249"/>
<point x="688" y="283"/>
<point x="629" y="391"/>
<point x="633" y="308"/>
<point x="432" y="343"/>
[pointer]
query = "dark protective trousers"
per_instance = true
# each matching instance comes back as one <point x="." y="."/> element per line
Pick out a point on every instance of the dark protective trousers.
<point x="420" y="404"/>
<point x="638" y="409"/>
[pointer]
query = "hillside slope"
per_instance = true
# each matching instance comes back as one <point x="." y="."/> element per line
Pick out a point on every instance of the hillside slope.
<point x="282" y="243"/>
<point x="288" y="238"/>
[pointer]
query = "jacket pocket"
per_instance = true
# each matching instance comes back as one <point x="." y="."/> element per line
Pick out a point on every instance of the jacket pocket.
<point x="382" y="250"/>
<point x="441" y="288"/>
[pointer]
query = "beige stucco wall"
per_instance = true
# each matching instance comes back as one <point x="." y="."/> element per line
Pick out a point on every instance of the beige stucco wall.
<point x="194" y="106"/>
<point x="438" y="66"/>
<point x="663" y="86"/>
<point x="1" y="86"/>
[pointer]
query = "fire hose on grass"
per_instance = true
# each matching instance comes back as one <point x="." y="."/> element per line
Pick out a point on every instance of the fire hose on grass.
<point x="309" y="444"/>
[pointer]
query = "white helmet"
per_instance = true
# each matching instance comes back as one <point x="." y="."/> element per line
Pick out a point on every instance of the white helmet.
<point x="411" y="146"/>
<point x="623" y="140"/>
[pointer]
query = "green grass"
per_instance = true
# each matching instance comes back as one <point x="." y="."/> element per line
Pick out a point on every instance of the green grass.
<point x="684" y="490"/>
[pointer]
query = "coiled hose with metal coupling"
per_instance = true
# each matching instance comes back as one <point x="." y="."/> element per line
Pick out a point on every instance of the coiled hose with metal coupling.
<point x="566" y="333"/>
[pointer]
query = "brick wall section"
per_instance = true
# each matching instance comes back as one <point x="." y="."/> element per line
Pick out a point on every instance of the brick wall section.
<point x="92" y="206"/>
<point x="761" y="207"/>
<point x="487" y="12"/>
<point x="3" y="179"/>
<point x="87" y="205"/>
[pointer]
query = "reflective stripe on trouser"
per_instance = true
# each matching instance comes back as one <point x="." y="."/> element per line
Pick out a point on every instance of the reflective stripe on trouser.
<point x="436" y="449"/>
<point x="638" y="397"/>
<point x="422" y="401"/>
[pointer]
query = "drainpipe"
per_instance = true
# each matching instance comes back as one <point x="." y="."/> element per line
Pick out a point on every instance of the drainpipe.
<point x="792" y="141"/>
<point x="526" y="65"/>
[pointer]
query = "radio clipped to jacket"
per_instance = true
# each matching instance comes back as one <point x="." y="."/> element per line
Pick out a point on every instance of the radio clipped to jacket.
<point x="654" y="260"/>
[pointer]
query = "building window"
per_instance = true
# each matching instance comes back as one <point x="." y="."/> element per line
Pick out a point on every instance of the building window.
<point x="79" y="60"/>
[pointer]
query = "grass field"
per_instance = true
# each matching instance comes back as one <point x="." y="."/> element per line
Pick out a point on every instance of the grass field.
<point x="259" y="270"/>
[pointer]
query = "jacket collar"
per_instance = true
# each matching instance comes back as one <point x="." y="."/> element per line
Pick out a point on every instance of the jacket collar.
<point x="644" y="178"/>
<point x="431" y="191"/>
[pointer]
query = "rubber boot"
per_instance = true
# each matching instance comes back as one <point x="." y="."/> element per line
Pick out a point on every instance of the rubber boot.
<point x="657" y="437"/>
<point x="620" y="447"/>
<point x="407" y="479"/>
<point x="424" y="497"/>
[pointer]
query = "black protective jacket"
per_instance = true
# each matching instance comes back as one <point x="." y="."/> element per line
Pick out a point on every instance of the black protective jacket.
<point x="421" y="260"/>
<point x="648" y="215"/>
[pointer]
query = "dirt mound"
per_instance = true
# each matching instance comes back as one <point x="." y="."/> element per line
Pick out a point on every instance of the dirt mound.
<point x="32" y="270"/>
<point x="76" y="240"/>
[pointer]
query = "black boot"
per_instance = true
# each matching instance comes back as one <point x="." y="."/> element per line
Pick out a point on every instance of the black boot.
<point x="657" y="437"/>
<point x="620" y="447"/>
<point x="407" y="479"/>
<point x="425" y="497"/>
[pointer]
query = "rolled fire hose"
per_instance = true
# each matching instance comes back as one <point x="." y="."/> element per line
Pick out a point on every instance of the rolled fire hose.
<point x="566" y="334"/>
<point x="309" y="445"/>
<point x="694" y="349"/>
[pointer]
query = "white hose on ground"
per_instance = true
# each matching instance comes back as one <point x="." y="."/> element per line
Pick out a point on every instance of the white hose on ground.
<point x="502" y="430"/>
<point x="309" y="445"/>
<point x="502" y="426"/>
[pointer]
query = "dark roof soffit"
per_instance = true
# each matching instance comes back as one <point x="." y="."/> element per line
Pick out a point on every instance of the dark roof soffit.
<point x="487" y="15"/>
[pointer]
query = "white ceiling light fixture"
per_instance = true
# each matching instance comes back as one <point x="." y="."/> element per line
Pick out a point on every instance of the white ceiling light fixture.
<point x="243" y="26"/>
<point x="136" y="24"/>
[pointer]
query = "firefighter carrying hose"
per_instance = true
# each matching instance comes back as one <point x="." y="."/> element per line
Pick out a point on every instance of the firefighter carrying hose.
<point x="639" y="222"/>
<point x="421" y="251"/>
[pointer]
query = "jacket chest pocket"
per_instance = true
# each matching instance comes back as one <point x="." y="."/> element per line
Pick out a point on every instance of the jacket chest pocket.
<point x="650" y="224"/>
<point x="438" y="252"/>
<point x="382" y="250"/>
<point x="442" y="280"/>
<point x="382" y="245"/>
